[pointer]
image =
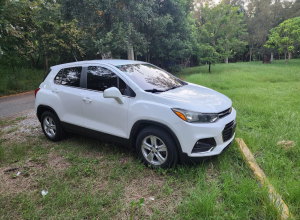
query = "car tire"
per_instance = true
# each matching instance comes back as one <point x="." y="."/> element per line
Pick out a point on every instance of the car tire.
<point x="156" y="148"/>
<point x="51" y="126"/>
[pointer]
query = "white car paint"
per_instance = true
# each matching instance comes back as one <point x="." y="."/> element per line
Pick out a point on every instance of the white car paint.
<point x="89" y="109"/>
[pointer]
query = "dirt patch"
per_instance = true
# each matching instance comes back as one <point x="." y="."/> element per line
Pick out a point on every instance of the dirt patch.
<point x="58" y="162"/>
<point x="286" y="145"/>
<point x="12" y="184"/>
<point x="137" y="189"/>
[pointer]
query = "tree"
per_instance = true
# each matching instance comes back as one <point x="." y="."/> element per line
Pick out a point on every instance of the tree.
<point x="154" y="29"/>
<point x="16" y="27"/>
<point x="263" y="15"/>
<point x="218" y="33"/>
<point x="285" y="36"/>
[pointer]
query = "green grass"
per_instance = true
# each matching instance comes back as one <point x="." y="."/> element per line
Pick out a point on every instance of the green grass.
<point x="104" y="181"/>
<point x="27" y="79"/>
<point x="90" y="179"/>
<point x="267" y="101"/>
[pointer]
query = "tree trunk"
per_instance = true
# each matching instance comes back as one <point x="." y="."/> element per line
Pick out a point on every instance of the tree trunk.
<point x="251" y="49"/>
<point x="15" y="75"/>
<point x="209" y="68"/>
<point x="130" y="55"/>
<point x="187" y="62"/>
<point x="286" y="61"/>
<point x="46" y="63"/>
<point x="135" y="55"/>
<point x="272" y="57"/>
<point x="37" y="62"/>
<point x="148" y="57"/>
<point x="226" y="59"/>
<point x="33" y="62"/>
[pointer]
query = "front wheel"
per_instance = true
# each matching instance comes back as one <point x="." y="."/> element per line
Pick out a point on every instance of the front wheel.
<point x="156" y="148"/>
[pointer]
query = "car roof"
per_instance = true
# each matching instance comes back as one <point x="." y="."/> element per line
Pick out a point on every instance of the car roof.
<point x="114" y="62"/>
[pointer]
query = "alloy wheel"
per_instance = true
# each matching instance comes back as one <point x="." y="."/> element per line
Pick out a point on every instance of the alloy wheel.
<point x="49" y="126"/>
<point x="154" y="150"/>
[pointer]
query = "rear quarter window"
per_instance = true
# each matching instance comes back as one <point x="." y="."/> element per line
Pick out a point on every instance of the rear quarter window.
<point x="69" y="77"/>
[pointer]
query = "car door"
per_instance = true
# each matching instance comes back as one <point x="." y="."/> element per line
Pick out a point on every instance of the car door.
<point x="67" y="103"/>
<point x="101" y="114"/>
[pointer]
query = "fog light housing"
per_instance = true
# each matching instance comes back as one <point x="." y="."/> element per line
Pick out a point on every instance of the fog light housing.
<point x="204" y="145"/>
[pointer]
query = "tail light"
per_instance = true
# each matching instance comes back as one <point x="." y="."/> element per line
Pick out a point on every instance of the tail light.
<point x="35" y="92"/>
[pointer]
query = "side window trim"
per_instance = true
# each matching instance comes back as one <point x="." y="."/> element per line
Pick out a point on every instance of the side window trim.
<point x="83" y="79"/>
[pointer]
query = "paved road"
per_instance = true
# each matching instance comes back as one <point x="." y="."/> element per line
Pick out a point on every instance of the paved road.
<point x="17" y="104"/>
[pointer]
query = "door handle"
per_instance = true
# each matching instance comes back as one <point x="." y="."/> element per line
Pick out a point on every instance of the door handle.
<point x="55" y="90"/>
<point x="87" y="100"/>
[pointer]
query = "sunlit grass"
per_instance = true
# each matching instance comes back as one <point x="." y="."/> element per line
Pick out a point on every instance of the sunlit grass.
<point x="266" y="97"/>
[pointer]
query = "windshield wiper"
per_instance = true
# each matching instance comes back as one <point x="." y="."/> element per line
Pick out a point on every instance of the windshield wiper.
<point x="154" y="90"/>
<point x="174" y="87"/>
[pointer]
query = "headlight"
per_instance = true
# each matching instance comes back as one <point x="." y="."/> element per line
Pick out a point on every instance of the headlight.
<point x="195" y="117"/>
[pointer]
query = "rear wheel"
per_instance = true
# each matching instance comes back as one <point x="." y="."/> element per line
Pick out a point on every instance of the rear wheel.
<point x="51" y="126"/>
<point x="156" y="148"/>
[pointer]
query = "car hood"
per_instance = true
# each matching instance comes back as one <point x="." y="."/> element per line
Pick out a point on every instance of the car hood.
<point x="195" y="98"/>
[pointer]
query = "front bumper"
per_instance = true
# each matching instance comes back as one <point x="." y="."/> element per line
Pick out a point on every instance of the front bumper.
<point x="185" y="159"/>
<point x="188" y="134"/>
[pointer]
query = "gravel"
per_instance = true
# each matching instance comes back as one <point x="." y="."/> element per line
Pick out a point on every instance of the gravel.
<point x="19" y="130"/>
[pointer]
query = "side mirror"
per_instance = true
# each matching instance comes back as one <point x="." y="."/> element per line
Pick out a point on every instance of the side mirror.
<point x="115" y="93"/>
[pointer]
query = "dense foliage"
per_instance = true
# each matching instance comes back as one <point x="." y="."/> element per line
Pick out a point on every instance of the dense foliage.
<point x="285" y="36"/>
<point x="168" y="33"/>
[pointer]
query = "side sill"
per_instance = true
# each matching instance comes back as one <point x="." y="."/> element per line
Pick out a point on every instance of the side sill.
<point x="96" y="134"/>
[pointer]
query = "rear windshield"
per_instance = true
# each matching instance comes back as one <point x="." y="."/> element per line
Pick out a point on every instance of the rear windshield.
<point x="149" y="77"/>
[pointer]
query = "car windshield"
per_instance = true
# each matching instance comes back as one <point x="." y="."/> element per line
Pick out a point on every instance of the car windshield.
<point x="150" y="78"/>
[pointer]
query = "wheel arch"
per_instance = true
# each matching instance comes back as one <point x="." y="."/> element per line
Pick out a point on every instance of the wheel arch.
<point x="42" y="108"/>
<point x="139" y="125"/>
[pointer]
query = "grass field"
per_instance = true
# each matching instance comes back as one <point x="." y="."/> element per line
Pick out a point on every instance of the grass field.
<point x="27" y="79"/>
<point x="267" y="101"/>
<point x="89" y="179"/>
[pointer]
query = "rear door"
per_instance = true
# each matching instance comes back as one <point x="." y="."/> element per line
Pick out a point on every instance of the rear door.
<point x="68" y="96"/>
<point x="101" y="114"/>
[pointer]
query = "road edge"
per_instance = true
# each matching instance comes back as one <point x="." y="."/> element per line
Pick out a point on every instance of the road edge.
<point x="22" y="93"/>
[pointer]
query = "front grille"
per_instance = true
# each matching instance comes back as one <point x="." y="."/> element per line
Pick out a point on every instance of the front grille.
<point x="225" y="113"/>
<point x="228" y="131"/>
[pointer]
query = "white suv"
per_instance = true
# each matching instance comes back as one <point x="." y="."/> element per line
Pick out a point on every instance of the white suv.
<point x="138" y="105"/>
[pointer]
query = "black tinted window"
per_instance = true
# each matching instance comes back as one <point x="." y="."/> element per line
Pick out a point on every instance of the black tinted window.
<point x="69" y="77"/>
<point x="100" y="78"/>
<point x="58" y="77"/>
